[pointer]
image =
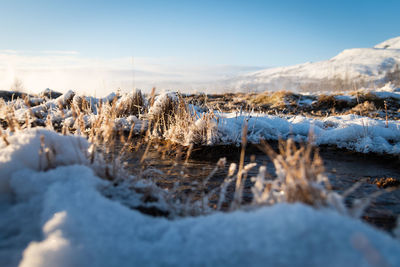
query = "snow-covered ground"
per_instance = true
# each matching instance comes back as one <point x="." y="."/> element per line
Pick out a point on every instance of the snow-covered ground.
<point x="352" y="66"/>
<point x="351" y="132"/>
<point x="56" y="215"/>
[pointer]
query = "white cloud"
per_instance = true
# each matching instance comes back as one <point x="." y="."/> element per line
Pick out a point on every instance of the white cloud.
<point x="64" y="70"/>
<point x="60" y="52"/>
<point x="8" y="51"/>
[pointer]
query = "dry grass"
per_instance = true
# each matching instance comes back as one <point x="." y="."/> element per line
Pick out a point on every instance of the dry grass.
<point x="172" y="119"/>
<point x="81" y="104"/>
<point x="131" y="104"/>
<point x="300" y="176"/>
<point x="369" y="97"/>
<point x="278" y="99"/>
<point x="187" y="129"/>
<point x="164" y="108"/>
<point x="326" y="101"/>
<point x="365" y="109"/>
<point x="386" y="182"/>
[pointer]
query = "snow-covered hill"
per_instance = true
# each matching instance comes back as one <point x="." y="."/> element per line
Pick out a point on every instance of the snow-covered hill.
<point x="352" y="67"/>
<point x="393" y="43"/>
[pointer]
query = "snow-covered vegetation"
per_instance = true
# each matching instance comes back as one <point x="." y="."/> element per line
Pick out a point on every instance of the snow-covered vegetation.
<point x="67" y="199"/>
<point x="355" y="122"/>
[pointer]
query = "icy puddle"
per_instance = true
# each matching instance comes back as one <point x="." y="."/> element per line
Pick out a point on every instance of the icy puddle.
<point x="343" y="169"/>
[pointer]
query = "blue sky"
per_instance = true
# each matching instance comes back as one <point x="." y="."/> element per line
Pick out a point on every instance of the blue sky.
<point x="198" y="33"/>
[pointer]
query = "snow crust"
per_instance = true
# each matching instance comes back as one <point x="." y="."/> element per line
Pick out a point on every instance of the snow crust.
<point x="60" y="217"/>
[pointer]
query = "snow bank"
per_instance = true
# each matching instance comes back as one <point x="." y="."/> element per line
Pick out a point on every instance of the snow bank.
<point x="39" y="149"/>
<point x="60" y="217"/>
<point x="352" y="132"/>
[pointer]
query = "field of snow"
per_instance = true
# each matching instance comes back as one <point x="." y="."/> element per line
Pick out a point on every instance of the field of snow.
<point x="358" y="66"/>
<point x="63" y="204"/>
<point x="55" y="214"/>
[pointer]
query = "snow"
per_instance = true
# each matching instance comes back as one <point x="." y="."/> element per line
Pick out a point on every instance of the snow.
<point x="24" y="148"/>
<point x="162" y="103"/>
<point x="353" y="66"/>
<point x="60" y="217"/>
<point x="352" y="132"/>
<point x="393" y="43"/>
<point x="387" y="91"/>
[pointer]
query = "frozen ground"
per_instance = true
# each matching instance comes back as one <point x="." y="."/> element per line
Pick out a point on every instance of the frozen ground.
<point x="353" y="132"/>
<point x="58" y="216"/>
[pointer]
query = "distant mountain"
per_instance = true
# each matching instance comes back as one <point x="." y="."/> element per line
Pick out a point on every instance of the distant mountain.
<point x="393" y="43"/>
<point x="353" y="67"/>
